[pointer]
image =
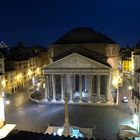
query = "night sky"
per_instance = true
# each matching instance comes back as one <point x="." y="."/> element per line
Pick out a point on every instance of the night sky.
<point x="44" y="21"/>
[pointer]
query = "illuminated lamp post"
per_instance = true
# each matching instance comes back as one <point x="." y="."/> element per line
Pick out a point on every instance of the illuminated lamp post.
<point x="33" y="81"/>
<point x="130" y="87"/>
<point x="38" y="86"/>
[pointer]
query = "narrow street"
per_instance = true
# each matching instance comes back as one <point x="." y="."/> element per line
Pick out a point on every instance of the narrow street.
<point x="125" y="92"/>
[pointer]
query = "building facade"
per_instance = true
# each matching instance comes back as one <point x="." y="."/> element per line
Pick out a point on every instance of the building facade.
<point x="127" y="66"/>
<point x="22" y="64"/>
<point x="84" y="66"/>
<point x="22" y="71"/>
<point x="136" y="80"/>
<point x="2" y="71"/>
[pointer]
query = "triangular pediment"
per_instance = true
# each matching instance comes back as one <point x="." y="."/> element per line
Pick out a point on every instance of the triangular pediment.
<point x="75" y="60"/>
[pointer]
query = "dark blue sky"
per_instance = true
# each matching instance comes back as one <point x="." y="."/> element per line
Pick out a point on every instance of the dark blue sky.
<point x="44" y="21"/>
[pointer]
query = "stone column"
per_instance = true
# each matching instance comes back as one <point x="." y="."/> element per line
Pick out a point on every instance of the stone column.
<point x="50" y="86"/>
<point x="46" y="86"/>
<point x="90" y="89"/>
<point x="73" y="83"/>
<point x="92" y="84"/>
<point x="98" y="87"/>
<point x="70" y="87"/>
<point x="62" y="87"/>
<point x="53" y="86"/>
<point x="107" y="87"/>
<point x="80" y="87"/>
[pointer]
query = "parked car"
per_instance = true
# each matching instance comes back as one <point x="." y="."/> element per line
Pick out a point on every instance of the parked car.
<point x="125" y="99"/>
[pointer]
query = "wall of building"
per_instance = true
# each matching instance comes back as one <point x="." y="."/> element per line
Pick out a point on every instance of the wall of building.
<point x="23" y="72"/>
<point x="2" y="115"/>
<point x="136" y="62"/>
<point x="108" y="53"/>
<point x="127" y="65"/>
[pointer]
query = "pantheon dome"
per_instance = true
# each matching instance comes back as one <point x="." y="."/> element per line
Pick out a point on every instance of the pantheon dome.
<point x="83" y="35"/>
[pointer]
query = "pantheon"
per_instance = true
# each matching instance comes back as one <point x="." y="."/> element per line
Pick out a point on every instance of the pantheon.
<point x="85" y="66"/>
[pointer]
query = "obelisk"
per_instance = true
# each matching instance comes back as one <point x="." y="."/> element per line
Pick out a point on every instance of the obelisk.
<point x="66" y="110"/>
<point x="67" y="129"/>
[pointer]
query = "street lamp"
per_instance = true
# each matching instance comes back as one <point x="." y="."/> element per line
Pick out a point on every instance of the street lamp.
<point x="7" y="102"/>
<point x="38" y="86"/>
<point x="130" y="87"/>
<point x="33" y="81"/>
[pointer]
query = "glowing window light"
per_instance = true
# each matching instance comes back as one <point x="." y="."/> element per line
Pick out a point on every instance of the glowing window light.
<point x="20" y="75"/>
<point x="115" y="82"/>
<point x="3" y="83"/>
<point x="29" y="72"/>
<point x="38" y="70"/>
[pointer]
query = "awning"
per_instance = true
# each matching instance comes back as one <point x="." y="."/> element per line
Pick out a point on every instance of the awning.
<point x="126" y="127"/>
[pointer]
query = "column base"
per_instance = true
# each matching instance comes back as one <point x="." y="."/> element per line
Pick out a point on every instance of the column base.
<point x="46" y="100"/>
<point x="62" y="100"/>
<point x="107" y="101"/>
<point x="98" y="102"/>
<point x="89" y="102"/>
<point x="71" y="101"/>
<point x="80" y="101"/>
<point x="54" y="100"/>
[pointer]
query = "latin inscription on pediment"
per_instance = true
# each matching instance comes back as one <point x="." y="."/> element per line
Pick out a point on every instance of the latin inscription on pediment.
<point x="76" y="61"/>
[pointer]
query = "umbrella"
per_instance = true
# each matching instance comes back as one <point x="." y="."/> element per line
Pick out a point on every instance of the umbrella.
<point x="128" y="134"/>
<point x="127" y="127"/>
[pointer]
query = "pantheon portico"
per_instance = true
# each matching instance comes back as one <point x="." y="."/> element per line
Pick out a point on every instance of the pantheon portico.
<point x="78" y="77"/>
<point x="83" y="66"/>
